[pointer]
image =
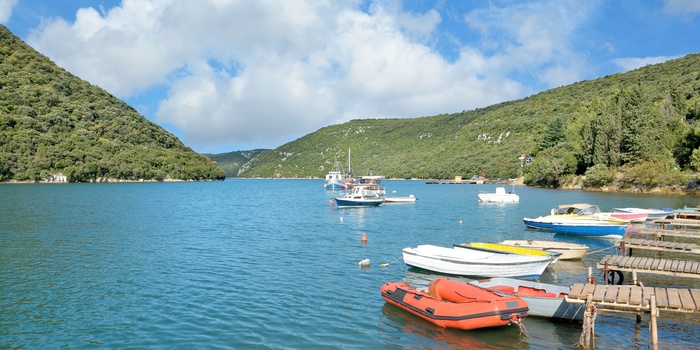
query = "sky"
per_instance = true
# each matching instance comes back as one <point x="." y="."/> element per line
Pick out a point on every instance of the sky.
<point x="230" y="75"/>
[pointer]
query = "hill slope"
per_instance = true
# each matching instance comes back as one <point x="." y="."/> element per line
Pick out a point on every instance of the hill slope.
<point x="614" y="123"/>
<point x="232" y="162"/>
<point x="53" y="123"/>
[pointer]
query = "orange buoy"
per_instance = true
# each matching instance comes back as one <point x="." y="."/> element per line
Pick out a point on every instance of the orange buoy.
<point x="364" y="237"/>
<point x="331" y="202"/>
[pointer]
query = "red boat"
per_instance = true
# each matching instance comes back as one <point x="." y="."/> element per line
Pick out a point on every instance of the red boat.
<point x="458" y="305"/>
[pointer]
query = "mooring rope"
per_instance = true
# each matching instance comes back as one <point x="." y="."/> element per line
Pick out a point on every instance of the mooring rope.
<point x="588" y="327"/>
<point x="600" y="250"/>
<point x="523" y="331"/>
<point x="387" y="264"/>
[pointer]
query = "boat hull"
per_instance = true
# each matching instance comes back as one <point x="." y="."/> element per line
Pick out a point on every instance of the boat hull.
<point x="358" y="203"/>
<point x="543" y="299"/>
<point x="470" y="262"/>
<point x="591" y="230"/>
<point x="452" y="304"/>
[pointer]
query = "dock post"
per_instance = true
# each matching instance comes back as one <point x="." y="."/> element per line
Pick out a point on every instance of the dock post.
<point x="588" y="322"/>
<point x="653" y="311"/>
<point x="622" y="248"/>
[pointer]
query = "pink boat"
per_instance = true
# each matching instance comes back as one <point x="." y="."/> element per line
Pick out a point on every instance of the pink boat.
<point x="631" y="217"/>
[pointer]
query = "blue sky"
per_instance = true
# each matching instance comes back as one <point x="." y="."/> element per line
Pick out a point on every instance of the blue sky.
<point x="228" y="75"/>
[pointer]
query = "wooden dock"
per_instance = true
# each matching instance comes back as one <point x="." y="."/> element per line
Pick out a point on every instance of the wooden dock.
<point x="633" y="299"/>
<point x="636" y="298"/>
<point x="659" y="234"/>
<point x="678" y="222"/>
<point x="654" y="245"/>
<point x="680" y="268"/>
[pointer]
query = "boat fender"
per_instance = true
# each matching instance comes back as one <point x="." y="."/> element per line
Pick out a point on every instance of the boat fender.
<point x="615" y="277"/>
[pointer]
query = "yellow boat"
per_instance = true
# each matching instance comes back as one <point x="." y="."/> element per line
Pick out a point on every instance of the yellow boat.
<point x="508" y="249"/>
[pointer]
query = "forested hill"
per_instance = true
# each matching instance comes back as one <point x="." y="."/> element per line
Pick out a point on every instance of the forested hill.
<point x="54" y="125"/>
<point x="635" y="129"/>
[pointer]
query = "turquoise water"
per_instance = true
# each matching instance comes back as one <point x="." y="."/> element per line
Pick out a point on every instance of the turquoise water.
<point x="269" y="264"/>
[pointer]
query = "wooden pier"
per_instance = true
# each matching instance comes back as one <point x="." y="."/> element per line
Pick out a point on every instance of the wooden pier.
<point x="660" y="234"/>
<point x="680" y="268"/>
<point x="636" y="298"/>
<point x="654" y="245"/>
<point x="633" y="299"/>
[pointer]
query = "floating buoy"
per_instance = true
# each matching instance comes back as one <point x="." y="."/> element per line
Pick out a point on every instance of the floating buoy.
<point x="341" y="219"/>
<point x="364" y="263"/>
<point x="364" y="237"/>
<point x="331" y="202"/>
<point x="461" y="222"/>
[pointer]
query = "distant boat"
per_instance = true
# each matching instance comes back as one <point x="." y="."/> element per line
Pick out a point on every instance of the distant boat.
<point x="500" y="196"/>
<point x="543" y="299"/>
<point x="569" y="251"/>
<point x="458" y="305"/>
<point x="336" y="180"/>
<point x="410" y="199"/>
<point x="472" y="262"/>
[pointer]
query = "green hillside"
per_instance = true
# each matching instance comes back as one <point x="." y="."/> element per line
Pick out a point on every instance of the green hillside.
<point x="232" y="162"/>
<point x="53" y="123"/>
<point x="636" y="129"/>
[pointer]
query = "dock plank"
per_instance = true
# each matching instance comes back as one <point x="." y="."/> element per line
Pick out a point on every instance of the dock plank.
<point x="599" y="294"/>
<point x="661" y="297"/>
<point x="611" y="294"/>
<point x="623" y="294"/>
<point x="687" y="302"/>
<point x="674" y="300"/>
<point x="576" y="291"/>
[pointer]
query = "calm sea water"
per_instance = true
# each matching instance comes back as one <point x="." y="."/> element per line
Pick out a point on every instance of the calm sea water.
<point x="269" y="264"/>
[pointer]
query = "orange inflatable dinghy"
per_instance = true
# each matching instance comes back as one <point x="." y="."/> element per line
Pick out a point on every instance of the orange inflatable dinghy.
<point x="453" y="304"/>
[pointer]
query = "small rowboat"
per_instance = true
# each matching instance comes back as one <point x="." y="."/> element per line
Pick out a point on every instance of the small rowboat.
<point x="543" y="299"/>
<point x="458" y="305"/>
<point x="569" y="251"/>
<point x="457" y="260"/>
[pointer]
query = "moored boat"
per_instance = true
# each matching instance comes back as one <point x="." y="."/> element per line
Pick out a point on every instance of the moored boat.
<point x="509" y="249"/>
<point x="591" y="229"/>
<point x="569" y="251"/>
<point x="500" y="196"/>
<point x="357" y="199"/>
<point x="652" y="214"/>
<point x="543" y="299"/>
<point x="458" y="305"/>
<point x="572" y="213"/>
<point x="409" y="199"/>
<point x="475" y="262"/>
<point x="631" y="217"/>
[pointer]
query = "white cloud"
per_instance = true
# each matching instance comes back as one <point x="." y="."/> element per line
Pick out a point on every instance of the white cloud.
<point x="6" y="10"/>
<point x="631" y="63"/>
<point x="682" y="6"/>
<point x="262" y="73"/>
